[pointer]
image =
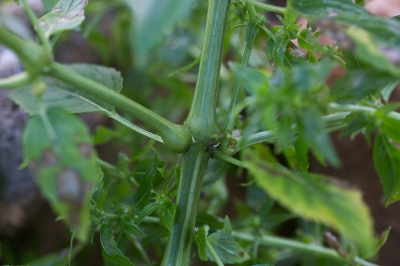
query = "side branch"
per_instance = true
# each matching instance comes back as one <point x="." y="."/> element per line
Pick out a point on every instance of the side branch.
<point x="176" y="137"/>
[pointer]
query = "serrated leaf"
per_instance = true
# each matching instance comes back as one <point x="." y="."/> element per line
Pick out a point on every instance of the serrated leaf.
<point x="200" y="239"/>
<point x="356" y="122"/>
<point x="373" y="40"/>
<point x="251" y="79"/>
<point x="228" y="250"/>
<point x="167" y="214"/>
<point x="227" y="230"/>
<point x="133" y="228"/>
<point x="312" y="129"/>
<point x="302" y="153"/>
<point x="322" y="8"/>
<point x="370" y="51"/>
<point x="103" y="135"/>
<point x="145" y="172"/>
<point x="152" y="19"/>
<point x="391" y="127"/>
<point x="205" y="218"/>
<point x="101" y="199"/>
<point x="382" y="30"/>
<point x="358" y="84"/>
<point x="147" y="210"/>
<point x="276" y="50"/>
<point x="387" y="161"/>
<point x="110" y="250"/>
<point x="308" y="41"/>
<point x="60" y="147"/>
<point x="66" y="15"/>
<point x="352" y="61"/>
<point x="62" y="95"/>
<point x="317" y="198"/>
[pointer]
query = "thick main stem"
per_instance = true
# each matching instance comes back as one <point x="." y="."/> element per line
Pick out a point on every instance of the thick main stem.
<point x="201" y="119"/>
<point x="202" y="124"/>
<point x="194" y="165"/>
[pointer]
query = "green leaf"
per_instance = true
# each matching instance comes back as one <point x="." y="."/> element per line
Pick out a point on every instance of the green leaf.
<point x="201" y="238"/>
<point x="370" y="51"/>
<point x="356" y="122"/>
<point x="103" y="135"/>
<point x="373" y="40"/>
<point x="60" y="258"/>
<point x="251" y="79"/>
<point x="384" y="31"/>
<point x="60" y="147"/>
<point x="110" y="250"/>
<point x="145" y="172"/>
<point x="102" y="196"/>
<point x="383" y="238"/>
<point x="152" y="19"/>
<point x="227" y="230"/>
<point x="308" y="41"/>
<point x="358" y="84"/>
<point x="312" y="129"/>
<point x="59" y="94"/>
<point x="317" y="198"/>
<point x="49" y="4"/>
<point x="205" y="218"/>
<point x="391" y="127"/>
<point x="147" y="210"/>
<point x="228" y="250"/>
<point x="66" y="15"/>
<point x="387" y="161"/>
<point x="302" y="153"/>
<point x="132" y="228"/>
<point x="167" y="214"/>
<point x="323" y="8"/>
<point x="352" y="61"/>
<point x="276" y="50"/>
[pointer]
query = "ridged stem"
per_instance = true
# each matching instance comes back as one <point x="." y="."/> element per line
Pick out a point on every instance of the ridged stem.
<point x="194" y="165"/>
<point x="201" y="119"/>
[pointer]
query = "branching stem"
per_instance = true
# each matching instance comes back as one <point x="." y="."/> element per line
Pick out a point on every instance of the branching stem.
<point x="15" y="80"/>
<point x="176" y="137"/>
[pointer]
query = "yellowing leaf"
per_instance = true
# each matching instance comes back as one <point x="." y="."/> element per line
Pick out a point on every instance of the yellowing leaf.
<point x="59" y="146"/>
<point x="317" y="198"/>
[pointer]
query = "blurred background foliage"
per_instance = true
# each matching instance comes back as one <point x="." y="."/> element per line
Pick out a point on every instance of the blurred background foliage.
<point x="112" y="35"/>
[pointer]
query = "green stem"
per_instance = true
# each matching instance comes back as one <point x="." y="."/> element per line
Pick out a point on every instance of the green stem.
<point x="252" y="31"/>
<point x="35" y="22"/>
<point x="194" y="165"/>
<point x="147" y="219"/>
<point x="32" y="56"/>
<point x="214" y="254"/>
<point x="176" y="137"/>
<point x="202" y="118"/>
<point x="286" y="243"/>
<point x="135" y="128"/>
<point x="267" y="7"/>
<point x="270" y="136"/>
<point x="359" y="108"/>
<point x="280" y="242"/>
<point x="15" y="80"/>
<point x="141" y="250"/>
